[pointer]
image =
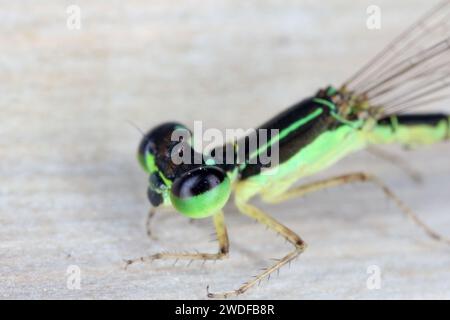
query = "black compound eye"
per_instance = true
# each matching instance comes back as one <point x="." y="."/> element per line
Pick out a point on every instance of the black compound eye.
<point x="201" y="192"/>
<point x="147" y="145"/>
<point x="197" y="182"/>
<point x="156" y="199"/>
<point x="158" y="141"/>
<point x="161" y="133"/>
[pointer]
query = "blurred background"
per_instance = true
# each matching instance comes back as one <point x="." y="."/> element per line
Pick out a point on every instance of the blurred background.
<point x="71" y="191"/>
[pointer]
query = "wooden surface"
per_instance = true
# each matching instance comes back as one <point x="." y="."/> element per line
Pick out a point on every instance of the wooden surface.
<point x="71" y="192"/>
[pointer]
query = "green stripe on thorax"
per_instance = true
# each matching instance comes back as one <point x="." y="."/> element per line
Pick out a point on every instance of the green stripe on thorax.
<point x="303" y="121"/>
<point x="284" y="133"/>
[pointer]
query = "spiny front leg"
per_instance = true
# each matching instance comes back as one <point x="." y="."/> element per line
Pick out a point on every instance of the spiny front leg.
<point x="222" y="236"/>
<point x="357" y="177"/>
<point x="289" y="235"/>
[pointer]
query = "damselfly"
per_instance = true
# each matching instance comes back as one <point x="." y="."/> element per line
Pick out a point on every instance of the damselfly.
<point x="368" y="109"/>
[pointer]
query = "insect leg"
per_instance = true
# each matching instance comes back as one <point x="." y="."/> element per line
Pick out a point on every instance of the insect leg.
<point x="150" y="216"/>
<point x="351" y="178"/>
<point x="289" y="235"/>
<point x="222" y="235"/>
<point x="396" y="161"/>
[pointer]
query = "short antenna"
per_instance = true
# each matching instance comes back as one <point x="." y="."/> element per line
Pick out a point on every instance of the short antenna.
<point x="135" y="126"/>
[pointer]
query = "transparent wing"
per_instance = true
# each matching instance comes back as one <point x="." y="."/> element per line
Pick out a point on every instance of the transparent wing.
<point x="413" y="70"/>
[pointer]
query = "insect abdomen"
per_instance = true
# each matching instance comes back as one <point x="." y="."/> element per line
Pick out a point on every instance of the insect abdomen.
<point x="412" y="129"/>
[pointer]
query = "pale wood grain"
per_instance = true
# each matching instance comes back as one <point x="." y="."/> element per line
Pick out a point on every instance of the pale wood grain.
<point x="71" y="192"/>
